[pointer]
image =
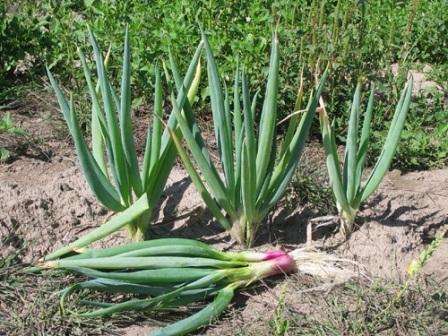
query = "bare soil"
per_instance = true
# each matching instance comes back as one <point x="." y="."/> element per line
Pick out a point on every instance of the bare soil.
<point x="406" y="214"/>
<point x="45" y="202"/>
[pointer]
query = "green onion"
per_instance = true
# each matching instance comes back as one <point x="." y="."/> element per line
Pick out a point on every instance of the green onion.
<point x="254" y="177"/>
<point x="141" y="262"/>
<point x="134" y="247"/>
<point x="172" y="282"/>
<point x="203" y="317"/>
<point x="120" y="184"/>
<point x="154" y="277"/>
<point x="348" y="189"/>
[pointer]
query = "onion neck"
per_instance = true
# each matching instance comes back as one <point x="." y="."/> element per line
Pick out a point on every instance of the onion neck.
<point x="347" y="218"/>
<point x="244" y="230"/>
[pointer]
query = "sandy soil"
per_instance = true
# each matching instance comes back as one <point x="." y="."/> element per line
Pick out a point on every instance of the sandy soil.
<point x="408" y="212"/>
<point x="45" y="202"/>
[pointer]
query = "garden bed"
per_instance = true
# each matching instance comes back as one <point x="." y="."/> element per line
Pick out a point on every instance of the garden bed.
<point x="45" y="203"/>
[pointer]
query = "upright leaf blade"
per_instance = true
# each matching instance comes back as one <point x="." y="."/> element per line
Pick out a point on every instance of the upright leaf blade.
<point x="196" y="179"/>
<point x="364" y="141"/>
<point x="247" y="185"/>
<point x="293" y="123"/>
<point x="156" y="122"/>
<point x="390" y="145"/>
<point x="237" y="135"/>
<point x="187" y="109"/>
<point x="99" y="184"/>
<point x="222" y="129"/>
<point x="248" y="150"/>
<point x="209" y="172"/>
<point x="268" y="116"/>
<point x="119" y="160"/>
<point x="158" y="175"/>
<point x="187" y="82"/>
<point x="96" y="118"/>
<point x="126" y="131"/>
<point x="332" y="160"/>
<point x="284" y="171"/>
<point x="351" y="147"/>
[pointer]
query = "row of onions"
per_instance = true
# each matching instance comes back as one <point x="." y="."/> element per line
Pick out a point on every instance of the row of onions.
<point x="172" y="272"/>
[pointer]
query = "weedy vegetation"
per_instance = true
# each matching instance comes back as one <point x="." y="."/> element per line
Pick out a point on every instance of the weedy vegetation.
<point x="361" y="38"/>
<point x="8" y="127"/>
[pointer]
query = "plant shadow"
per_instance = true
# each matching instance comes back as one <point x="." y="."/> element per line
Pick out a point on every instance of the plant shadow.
<point x="197" y="223"/>
<point x="288" y="227"/>
<point x="393" y="217"/>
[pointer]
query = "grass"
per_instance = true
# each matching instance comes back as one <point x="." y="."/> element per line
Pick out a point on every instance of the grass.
<point x="310" y="185"/>
<point x="307" y="190"/>
<point x="8" y="127"/>
<point x="28" y="306"/>
<point x="279" y="323"/>
<point x="355" y="308"/>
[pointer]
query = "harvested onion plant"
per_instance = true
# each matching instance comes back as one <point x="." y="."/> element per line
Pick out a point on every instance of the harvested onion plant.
<point x="118" y="182"/>
<point x="255" y="173"/>
<point x="348" y="189"/>
<point x="171" y="273"/>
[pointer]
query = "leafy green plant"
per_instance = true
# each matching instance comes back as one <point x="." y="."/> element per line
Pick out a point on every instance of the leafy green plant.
<point x="7" y="126"/>
<point x="20" y="36"/>
<point x="278" y="323"/>
<point x="358" y="38"/>
<point x="348" y="189"/>
<point x="255" y="173"/>
<point x="118" y="181"/>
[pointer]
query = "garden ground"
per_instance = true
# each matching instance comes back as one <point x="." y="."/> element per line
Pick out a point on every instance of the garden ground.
<point x="45" y="202"/>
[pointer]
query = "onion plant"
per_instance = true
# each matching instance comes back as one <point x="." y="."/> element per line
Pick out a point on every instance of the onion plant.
<point x="347" y="185"/>
<point x="170" y="273"/>
<point x="255" y="174"/>
<point x="119" y="183"/>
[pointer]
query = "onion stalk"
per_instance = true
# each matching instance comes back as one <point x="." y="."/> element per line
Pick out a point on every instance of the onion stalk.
<point x="255" y="174"/>
<point x="119" y="183"/>
<point x="348" y="188"/>
<point x="183" y="272"/>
